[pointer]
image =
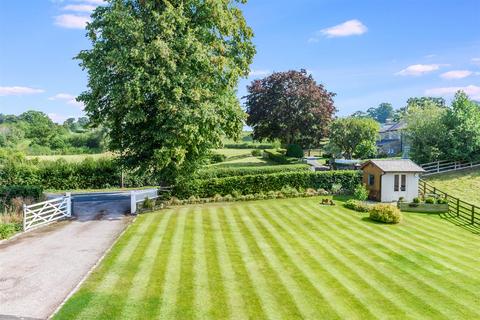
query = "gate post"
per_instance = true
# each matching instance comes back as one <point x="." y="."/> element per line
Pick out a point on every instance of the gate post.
<point x="68" y="195"/>
<point x="133" y="203"/>
<point x="24" y="216"/>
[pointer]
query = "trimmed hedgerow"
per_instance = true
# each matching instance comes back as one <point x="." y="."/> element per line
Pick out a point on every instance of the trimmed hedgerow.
<point x="216" y="172"/>
<point x="251" y="184"/>
<point x="8" y="193"/>
<point x="276" y="156"/>
<point x="356" y="205"/>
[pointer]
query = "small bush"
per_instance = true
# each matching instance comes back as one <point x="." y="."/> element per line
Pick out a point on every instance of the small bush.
<point x="294" y="151"/>
<point x="357" y="205"/>
<point x="360" y="192"/>
<point x="148" y="204"/>
<point x="385" y="213"/>
<point x="430" y="200"/>
<point x="257" y="153"/>
<point x="9" y="229"/>
<point x="401" y="199"/>
<point x="336" y="188"/>
<point x="416" y="200"/>
<point x="442" y="201"/>
<point x="217" y="157"/>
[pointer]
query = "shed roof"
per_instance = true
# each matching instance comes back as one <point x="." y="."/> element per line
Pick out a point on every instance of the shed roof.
<point x="398" y="165"/>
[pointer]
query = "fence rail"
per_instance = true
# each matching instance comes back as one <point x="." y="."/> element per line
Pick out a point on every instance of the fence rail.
<point x="42" y="213"/>
<point x="447" y="166"/>
<point x="458" y="207"/>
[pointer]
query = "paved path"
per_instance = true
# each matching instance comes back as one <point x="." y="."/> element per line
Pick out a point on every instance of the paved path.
<point x="40" y="268"/>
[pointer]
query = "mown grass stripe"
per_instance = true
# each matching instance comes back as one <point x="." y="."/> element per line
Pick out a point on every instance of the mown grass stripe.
<point x="269" y="305"/>
<point x="440" y="286"/>
<point x="140" y="280"/>
<point x="104" y="292"/>
<point x="435" y="262"/>
<point x="211" y="285"/>
<point x="379" y="277"/>
<point x="173" y="268"/>
<point x="352" y="289"/>
<point x="235" y="303"/>
<point x="276" y="281"/>
<point x="151" y="300"/>
<point x="184" y="304"/>
<point x="272" y="253"/>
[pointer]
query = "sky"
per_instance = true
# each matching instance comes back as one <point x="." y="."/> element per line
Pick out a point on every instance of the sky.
<point x="367" y="52"/>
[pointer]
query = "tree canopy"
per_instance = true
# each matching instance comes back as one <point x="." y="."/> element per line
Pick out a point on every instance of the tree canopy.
<point x="163" y="76"/>
<point x="381" y="113"/>
<point x="289" y="106"/>
<point x="354" y="137"/>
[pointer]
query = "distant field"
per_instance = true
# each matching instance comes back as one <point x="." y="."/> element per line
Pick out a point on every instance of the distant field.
<point x="283" y="259"/>
<point x="72" y="157"/>
<point x="463" y="184"/>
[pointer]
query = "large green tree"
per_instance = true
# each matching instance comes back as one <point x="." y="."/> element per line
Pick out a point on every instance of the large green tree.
<point x="290" y="106"/>
<point x="426" y="132"/>
<point x="354" y="137"/>
<point x="381" y="113"/>
<point x="162" y="78"/>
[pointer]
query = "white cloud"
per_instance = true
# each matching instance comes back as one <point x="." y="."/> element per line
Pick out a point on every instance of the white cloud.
<point x="18" y="91"/>
<point x="348" y="28"/>
<point x="476" y="61"/>
<point x="97" y="2"/>
<point x="68" y="98"/>
<point x="456" y="74"/>
<point x="418" y="69"/>
<point x="72" y="21"/>
<point x="259" y="73"/>
<point x="58" y="118"/>
<point x="472" y="90"/>
<point x="79" y="7"/>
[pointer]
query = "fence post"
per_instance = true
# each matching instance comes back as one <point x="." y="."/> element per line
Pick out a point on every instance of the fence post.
<point x="473" y="214"/>
<point x="133" y="203"/>
<point x="438" y="166"/>
<point x="68" y="195"/>
<point x="24" y="216"/>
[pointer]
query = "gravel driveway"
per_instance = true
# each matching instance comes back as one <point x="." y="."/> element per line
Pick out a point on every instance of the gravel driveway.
<point x="38" y="269"/>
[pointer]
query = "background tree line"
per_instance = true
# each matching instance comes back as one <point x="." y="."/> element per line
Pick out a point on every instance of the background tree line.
<point x="34" y="133"/>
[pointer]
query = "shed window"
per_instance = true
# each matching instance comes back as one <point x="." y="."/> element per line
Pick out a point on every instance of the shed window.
<point x="396" y="182"/>
<point x="403" y="185"/>
<point x="371" y="179"/>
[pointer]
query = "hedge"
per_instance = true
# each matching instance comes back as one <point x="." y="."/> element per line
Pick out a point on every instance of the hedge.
<point x="216" y="172"/>
<point x="276" y="156"/>
<point x="251" y="184"/>
<point x="7" y="193"/>
<point x="62" y="175"/>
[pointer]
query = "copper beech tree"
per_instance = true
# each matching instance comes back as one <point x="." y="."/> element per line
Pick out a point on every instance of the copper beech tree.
<point x="290" y="106"/>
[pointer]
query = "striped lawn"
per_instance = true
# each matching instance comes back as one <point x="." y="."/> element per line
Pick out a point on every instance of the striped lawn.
<point x="283" y="259"/>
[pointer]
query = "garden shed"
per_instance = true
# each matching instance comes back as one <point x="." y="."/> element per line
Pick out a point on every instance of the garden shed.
<point x="389" y="180"/>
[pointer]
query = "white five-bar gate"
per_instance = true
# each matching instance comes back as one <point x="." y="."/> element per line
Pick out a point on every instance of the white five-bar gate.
<point x="42" y="213"/>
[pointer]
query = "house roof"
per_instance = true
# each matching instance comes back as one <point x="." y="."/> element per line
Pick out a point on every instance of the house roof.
<point x="393" y="126"/>
<point x="398" y="165"/>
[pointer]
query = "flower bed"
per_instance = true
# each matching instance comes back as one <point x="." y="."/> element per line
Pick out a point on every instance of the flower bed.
<point x="423" y="207"/>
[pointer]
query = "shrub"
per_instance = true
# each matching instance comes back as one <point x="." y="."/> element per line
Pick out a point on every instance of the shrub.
<point x="360" y="192"/>
<point x="148" y="204"/>
<point x="416" y="200"/>
<point x="401" y="199"/>
<point x="8" y="229"/>
<point x="357" y="205"/>
<point x="217" y="157"/>
<point x="294" y="151"/>
<point x="385" y="213"/>
<point x="276" y="156"/>
<point x="336" y="188"/>
<point x="251" y="184"/>
<point x="430" y="200"/>
<point x="256" y="153"/>
<point x="442" y="201"/>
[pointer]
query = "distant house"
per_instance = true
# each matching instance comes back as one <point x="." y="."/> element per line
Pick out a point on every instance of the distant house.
<point x="392" y="139"/>
<point x="388" y="180"/>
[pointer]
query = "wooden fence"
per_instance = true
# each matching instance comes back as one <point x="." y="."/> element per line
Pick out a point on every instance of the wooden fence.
<point x="461" y="209"/>
<point x="447" y="165"/>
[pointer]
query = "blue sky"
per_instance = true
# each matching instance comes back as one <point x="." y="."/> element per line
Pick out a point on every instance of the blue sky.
<point x="367" y="52"/>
